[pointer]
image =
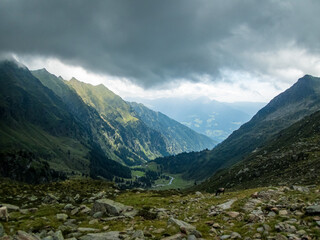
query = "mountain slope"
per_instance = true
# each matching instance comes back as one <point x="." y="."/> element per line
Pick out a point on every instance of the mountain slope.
<point x="290" y="157"/>
<point x="132" y="136"/>
<point x="37" y="129"/>
<point x="301" y="100"/>
<point x="178" y="137"/>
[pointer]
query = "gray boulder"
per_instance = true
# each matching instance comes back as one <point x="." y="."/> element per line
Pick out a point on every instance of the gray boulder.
<point x="113" y="235"/>
<point x="313" y="210"/>
<point x="109" y="207"/>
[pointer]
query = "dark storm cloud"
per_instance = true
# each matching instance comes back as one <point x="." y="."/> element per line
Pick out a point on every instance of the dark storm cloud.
<point x="151" y="42"/>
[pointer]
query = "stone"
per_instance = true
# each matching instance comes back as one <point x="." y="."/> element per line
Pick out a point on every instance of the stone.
<point x="233" y="214"/>
<point x="77" y="197"/>
<point x="48" y="238"/>
<point x="68" y="207"/>
<point x="93" y="221"/>
<point x="225" y="237"/>
<point x="183" y="226"/>
<point x="138" y="234"/>
<point x="313" y="210"/>
<point x="227" y="205"/>
<point x="108" y="206"/>
<point x="300" y="189"/>
<point x="113" y="235"/>
<point x="235" y="235"/>
<point x="62" y="217"/>
<point x="272" y="214"/>
<point x="75" y="211"/>
<point x="191" y="237"/>
<point x="318" y="222"/>
<point x="260" y="229"/>
<point x="283" y="213"/>
<point x="58" y="235"/>
<point x="177" y="236"/>
<point x="1" y="230"/>
<point x="10" y="207"/>
<point x="159" y="231"/>
<point x="97" y="215"/>
<point x="21" y="235"/>
<point x="83" y="229"/>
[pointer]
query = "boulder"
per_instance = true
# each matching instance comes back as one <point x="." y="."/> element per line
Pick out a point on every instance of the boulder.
<point x="300" y="189"/>
<point x="1" y="230"/>
<point x="227" y="205"/>
<point x="113" y="235"/>
<point x="185" y="227"/>
<point x="21" y="235"/>
<point x="58" y="235"/>
<point x="108" y="207"/>
<point x="313" y="210"/>
<point x="62" y="217"/>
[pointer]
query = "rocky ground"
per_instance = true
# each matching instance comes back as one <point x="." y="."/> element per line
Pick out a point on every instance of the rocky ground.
<point x="87" y="209"/>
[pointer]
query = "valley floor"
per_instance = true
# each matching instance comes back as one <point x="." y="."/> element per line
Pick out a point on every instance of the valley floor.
<point x="80" y="209"/>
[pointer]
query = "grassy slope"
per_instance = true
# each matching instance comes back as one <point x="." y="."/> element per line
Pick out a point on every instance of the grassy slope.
<point x="291" y="157"/>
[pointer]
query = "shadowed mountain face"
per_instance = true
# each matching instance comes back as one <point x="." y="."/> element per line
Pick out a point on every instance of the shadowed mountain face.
<point x="178" y="137"/>
<point x="38" y="132"/>
<point x="301" y="100"/>
<point x="290" y="157"/>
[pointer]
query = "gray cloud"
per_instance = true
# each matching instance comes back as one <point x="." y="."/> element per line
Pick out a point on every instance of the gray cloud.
<point x="152" y="42"/>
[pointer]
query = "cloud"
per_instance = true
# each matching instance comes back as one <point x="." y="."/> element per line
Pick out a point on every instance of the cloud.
<point x="153" y="43"/>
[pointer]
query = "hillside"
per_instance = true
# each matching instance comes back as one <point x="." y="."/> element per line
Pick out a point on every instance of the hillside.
<point x="301" y="100"/>
<point x="178" y="137"/>
<point x="39" y="136"/>
<point x="85" y="209"/>
<point x="291" y="157"/>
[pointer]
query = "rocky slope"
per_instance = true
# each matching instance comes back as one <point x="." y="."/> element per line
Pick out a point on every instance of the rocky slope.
<point x="299" y="101"/>
<point x="86" y="209"/>
<point x="178" y="137"/>
<point x="292" y="156"/>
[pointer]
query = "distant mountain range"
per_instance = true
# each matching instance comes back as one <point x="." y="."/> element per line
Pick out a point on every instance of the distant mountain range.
<point x="54" y="126"/>
<point x="299" y="101"/>
<point x="216" y="120"/>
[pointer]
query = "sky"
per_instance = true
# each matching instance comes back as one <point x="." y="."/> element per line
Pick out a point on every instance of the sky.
<point x="226" y="50"/>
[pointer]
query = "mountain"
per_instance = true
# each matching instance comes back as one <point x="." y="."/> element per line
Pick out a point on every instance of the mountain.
<point x="40" y="139"/>
<point x="178" y="137"/>
<point x="290" y="157"/>
<point x="124" y="134"/>
<point x="301" y="100"/>
<point x="214" y="119"/>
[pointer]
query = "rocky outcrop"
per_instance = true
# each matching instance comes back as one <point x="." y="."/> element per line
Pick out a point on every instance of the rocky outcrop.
<point x="111" y="208"/>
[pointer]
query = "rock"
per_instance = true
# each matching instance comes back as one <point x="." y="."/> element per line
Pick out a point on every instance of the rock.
<point x="280" y="237"/>
<point x="75" y="211"/>
<point x="98" y="215"/>
<point x="21" y="235"/>
<point x="62" y="217"/>
<point x="272" y="214"/>
<point x="1" y="230"/>
<point x="114" y="235"/>
<point x="93" y="221"/>
<point x="300" y="189"/>
<point x="283" y="213"/>
<point x="10" y="207"/>
<point x="84" y="209"/>
<point x="227" y="205"/>
<point x="69" y="207"/>
<point x="77" y="197"/>
<point x="138" y="234"/>
<point x="83" y="229"/>
<point x="159" y="231"/>
<point x="48" y="238"/>
<point x="318" y="222"/>
<point x="225" y="237"/>
<point x="235" y="235"/>
<point x="50" y="198"/>
<point x="58" y="236"/>
<point x="108" y="206"/>
<point x="192" y="237"/>
<point x="183" y="226"/>
<point x="313" y="210"/>
<point x="233" y="214"/>
<point x="177" y="236"/>
<point x="260" y="229"/>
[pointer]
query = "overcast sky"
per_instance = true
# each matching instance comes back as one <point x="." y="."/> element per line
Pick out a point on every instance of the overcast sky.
<point x="227" y="50"/>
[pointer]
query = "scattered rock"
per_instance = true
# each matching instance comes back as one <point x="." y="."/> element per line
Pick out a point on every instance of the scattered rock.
<point x="62" y="217"/>
<point x="313" y="210"/>
<point x="108" y="207"/>
<point x="138" y="234"/>
<point x="1" y="230"/>
<point x="114" y="235"/>
<point x="301" y="189"/>
<point x="83" y="229"/>
<point x="233" y="214"/>
<point x="227" y="205"/>
<point x="21" y="235"/>
<point x="58" y="236"/>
